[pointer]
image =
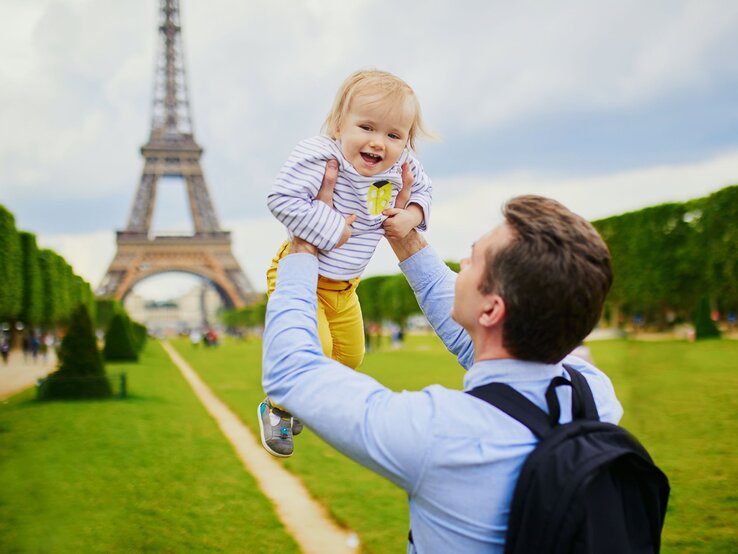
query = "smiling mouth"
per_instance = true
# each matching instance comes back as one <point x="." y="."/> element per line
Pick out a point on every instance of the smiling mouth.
<point x="371" y="159"/>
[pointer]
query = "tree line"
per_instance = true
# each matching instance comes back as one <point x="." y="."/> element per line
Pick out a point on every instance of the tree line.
<point x="38" y="288"/>
<point x="668" y="258"/>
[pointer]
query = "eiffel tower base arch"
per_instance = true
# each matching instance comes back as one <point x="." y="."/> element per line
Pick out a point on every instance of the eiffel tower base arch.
<point x="208" y="256"/>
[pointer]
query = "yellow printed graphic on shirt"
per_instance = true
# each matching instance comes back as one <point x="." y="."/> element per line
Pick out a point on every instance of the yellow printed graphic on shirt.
<point x="379" y="197"/>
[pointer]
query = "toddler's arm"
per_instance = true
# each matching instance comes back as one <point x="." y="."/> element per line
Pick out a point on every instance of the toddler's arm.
<point x="293" y="198"/>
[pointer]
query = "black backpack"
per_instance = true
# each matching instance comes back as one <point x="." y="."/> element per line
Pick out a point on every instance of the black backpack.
<point x="587" y="487"/>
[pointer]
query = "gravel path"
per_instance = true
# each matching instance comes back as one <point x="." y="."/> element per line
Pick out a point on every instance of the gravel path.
<point x="21" y="372"/>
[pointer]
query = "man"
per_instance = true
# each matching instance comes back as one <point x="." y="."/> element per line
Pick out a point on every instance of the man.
<point x="529" y="293"/>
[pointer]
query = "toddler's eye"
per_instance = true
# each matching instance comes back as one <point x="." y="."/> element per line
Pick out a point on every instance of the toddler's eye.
<point x="394" y="136"/>
<point x="365" y="127"/>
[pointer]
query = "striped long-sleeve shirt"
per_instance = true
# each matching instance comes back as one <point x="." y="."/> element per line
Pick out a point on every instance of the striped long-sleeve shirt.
<point x="292" y="201"/>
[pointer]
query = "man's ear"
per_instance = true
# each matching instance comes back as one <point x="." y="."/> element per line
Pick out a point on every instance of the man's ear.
<point x="493" y="311"/>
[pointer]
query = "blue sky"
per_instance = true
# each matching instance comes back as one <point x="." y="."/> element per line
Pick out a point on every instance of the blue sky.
<point x="607" y="106"/>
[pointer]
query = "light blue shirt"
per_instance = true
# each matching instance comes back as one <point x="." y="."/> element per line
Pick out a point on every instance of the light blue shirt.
<point x="457" y="457"/>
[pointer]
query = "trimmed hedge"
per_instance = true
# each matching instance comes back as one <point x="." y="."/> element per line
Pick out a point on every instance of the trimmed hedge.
<point x="81" y="373"/>
<point x="11" y="268"/>
<point x="704" y="326"/>
<point x="139" y="335"/>
<point x="120" y="344"/>
<point x="33" y="302"/>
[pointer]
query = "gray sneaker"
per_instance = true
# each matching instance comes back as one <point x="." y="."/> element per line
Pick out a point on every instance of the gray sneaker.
<point x="276" y="429"/>
<point x="297" y="426"/>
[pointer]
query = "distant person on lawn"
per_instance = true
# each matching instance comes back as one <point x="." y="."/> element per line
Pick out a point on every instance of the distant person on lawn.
<point x="529" y="292"/>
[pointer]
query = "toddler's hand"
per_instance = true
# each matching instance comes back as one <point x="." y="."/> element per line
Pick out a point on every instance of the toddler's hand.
<point x="400" y="222"/>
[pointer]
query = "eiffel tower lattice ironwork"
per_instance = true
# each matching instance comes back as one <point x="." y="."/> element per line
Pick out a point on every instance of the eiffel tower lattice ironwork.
<point x="172" y="152"/>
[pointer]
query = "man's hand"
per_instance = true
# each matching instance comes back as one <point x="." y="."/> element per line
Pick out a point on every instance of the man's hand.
<point x="325" y="195"/>
<point x="407" y="186"/>
<point x="299" y="246"/>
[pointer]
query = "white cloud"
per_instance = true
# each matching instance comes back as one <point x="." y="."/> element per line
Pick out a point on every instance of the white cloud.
<point x="75" y="94"/>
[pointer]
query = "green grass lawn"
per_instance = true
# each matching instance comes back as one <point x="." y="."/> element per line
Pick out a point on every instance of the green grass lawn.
<point x="152" y="473"/>
<point x="679" y="399"/>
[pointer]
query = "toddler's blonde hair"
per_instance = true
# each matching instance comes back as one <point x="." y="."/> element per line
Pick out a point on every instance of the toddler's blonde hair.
<point x="383" y="84"/>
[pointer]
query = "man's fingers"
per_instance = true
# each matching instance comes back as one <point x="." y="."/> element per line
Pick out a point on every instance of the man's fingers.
<point x="407" y="175"/>
<point x="331" y="172"/>
<point x="350" y="219"/>
<point x="407" y="184"/>
<point x="325" y="193"/>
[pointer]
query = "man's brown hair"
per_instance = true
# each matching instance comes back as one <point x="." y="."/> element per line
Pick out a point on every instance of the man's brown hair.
<point x="553" y="275"/>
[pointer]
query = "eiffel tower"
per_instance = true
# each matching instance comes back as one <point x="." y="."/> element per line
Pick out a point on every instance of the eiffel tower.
<point x="172" y="152"/>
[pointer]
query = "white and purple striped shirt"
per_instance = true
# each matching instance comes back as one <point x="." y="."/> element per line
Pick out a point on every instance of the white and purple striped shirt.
<point x="292" y="201"/>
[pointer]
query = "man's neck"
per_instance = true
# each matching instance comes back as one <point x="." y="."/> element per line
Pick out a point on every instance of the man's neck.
<point x="488" y="346"/>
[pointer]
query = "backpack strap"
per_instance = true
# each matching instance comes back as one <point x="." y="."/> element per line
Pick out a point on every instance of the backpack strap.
<point x="514" y="404"/>
<point x="518" y="407"/>
<point x="583" y="393"/>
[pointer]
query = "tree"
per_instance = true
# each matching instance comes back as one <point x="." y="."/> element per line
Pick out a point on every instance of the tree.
<point x="50" y="313"/>
<point x="719" y="226"/>
<point x="81" y="373"/>
<point x="120" y="344"/>
<point x="105" y="309"/>
<point x="63" y="288"/>
<point x="704" y="326"/>
<point x="140" y="334"/>
<point x="373" y="307"/>
<point x="11" y="268"/>
<point x="32" y="305"/>
<point x="398" y="299"/>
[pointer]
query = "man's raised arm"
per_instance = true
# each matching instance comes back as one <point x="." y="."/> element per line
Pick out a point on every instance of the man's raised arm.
<point x="432" y="281"/>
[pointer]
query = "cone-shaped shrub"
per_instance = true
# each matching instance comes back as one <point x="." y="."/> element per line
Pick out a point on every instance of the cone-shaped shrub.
<point x="119" y="342"/>
<point x="704" y="326"/>
<point x="81" y="373"/>
<point x="139" y="335"/>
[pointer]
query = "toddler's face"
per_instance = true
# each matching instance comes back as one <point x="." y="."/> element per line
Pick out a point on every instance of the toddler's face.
<point x="374" y="133"/>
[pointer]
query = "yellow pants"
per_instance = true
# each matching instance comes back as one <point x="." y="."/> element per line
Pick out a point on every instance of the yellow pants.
<point x="340" y="326"/>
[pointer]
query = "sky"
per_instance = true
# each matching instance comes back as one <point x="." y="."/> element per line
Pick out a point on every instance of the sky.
<point x="607" y="106"/>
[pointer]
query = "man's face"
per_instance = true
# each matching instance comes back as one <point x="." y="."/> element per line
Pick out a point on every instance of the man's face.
<point x="374" y="133"/>
<point x="469" y="303"/>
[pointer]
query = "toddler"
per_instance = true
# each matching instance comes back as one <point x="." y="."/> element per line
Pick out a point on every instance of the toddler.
<point x="371" y="132"/>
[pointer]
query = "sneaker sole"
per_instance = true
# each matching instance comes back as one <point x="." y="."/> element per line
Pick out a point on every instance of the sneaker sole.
<point x="263" y="440"/>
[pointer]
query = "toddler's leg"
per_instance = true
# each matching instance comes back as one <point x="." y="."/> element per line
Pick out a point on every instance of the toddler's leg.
<point x="276" y="424"/>
<point x="346" y="328"/>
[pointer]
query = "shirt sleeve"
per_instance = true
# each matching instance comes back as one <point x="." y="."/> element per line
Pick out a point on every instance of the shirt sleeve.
<point x="433" y="283"/>
<point x="422" y="190"/>
<point x="381" y="429"/>
<point x="292" y="199"/>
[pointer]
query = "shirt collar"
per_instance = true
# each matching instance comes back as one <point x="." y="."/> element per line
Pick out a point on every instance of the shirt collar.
<point x="508" y="370"/>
